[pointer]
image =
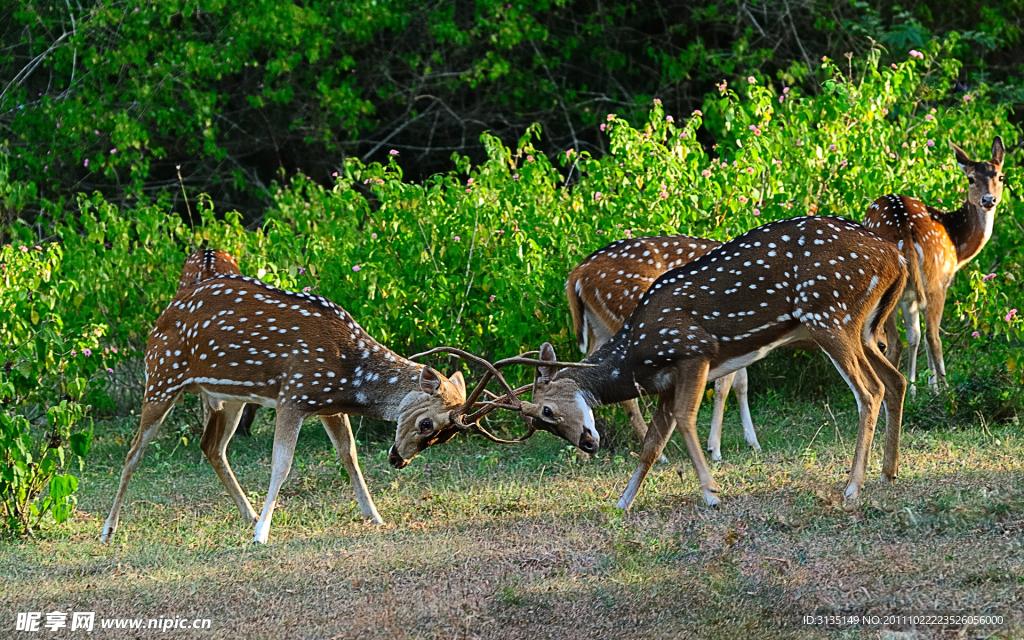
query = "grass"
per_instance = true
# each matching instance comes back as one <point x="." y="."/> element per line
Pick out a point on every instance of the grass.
<point x="482" y="541"/>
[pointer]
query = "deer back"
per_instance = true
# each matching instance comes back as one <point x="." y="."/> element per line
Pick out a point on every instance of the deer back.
<point x="606" y="287"/>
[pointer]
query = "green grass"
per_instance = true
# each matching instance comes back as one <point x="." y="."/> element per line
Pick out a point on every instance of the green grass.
<point x="525" y="542"/>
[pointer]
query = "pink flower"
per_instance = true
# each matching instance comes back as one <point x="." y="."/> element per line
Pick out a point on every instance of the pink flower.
<point x="885" y="111"/>
<point x="491" y="299"/>
<point x="611" y="116"/>
<point x="114" y="349"/>
<point x="750" y="171"/>
<point x="379" y="181"/>
<point x="109" y="370"/>
<point x="73" y="353"/>
<point x="302" y="270"/>
<point x="743" y="199"/>
<point x="757" y="212"/>
<point x="530" y="158"/>
<point x="597" y="196"/>
<point x="782" y="99"/>
<point x="929" y="117"/>
<point x="469" y="182"/>
<point x="334" y="175"/>
<point x="457" y="238"/>
<point x="515" y="177"/>
<point x="664" y="194"/>
<point x="776" y="161"/>
<point x="86" y="352"/>
<point x="568" y="153"/>
<point x="373" y="235"/>
<point x="393" y="152"/>
<point x="24" y="249"/>
<point x="831" y="147"/>
<point x="785" y="89"/>
<point x="975" y="334"/>
<point x="113" y="151"/>
<point x="752" y="80"/>
<point x="1010" y="316"/>
<point x="305" y="289"/>
<point x="706" y="173"/>
<point x="698" y="112"/>
<point x="367" y="181"/>
<point x="914" y="53"/>
<point x="629" y="233"/>
<point x="930" y="143"/>
<point x="669" y="119"/>
<point x="356" y="267"/>
<point x="988" y="277"/>
<point x="657" y="101"/>
<point x="843" y="163"/>
<point x="95" y="132"/>
<point x="87" y="163"/>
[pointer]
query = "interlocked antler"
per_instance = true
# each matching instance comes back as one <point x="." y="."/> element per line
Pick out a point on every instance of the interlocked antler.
<point x="509" y="401"/>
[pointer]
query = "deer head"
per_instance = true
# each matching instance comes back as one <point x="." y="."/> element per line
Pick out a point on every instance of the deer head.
<point x="560" y="406"/>
<point x="428" y="416"/>
<point x="985" y="178"/>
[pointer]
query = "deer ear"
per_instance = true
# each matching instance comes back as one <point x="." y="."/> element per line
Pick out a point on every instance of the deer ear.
<point x="430" y="382"/>
<point x="460" y="384"/>
<point x="998" y="151"/>
<point x="547" y="354"/>
<point x="962" y="158"/>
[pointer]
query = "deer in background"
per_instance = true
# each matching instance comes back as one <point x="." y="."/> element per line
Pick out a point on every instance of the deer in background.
<point x="936" y="244"/>
<point x="605" y="288"/>
<point x="822" y="278"/>
<point x="238" y="340"/>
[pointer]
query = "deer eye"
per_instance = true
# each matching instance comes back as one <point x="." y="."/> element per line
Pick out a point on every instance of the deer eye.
<point x="426" y="425"/>
<point x="1002" y="178"/>
<point x="548" y="413"/>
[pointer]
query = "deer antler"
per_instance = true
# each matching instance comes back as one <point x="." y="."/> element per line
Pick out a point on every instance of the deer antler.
<point x="472" y="421"/>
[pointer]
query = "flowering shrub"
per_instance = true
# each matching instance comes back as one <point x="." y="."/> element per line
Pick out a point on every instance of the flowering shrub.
<point x="478" y="256"/>
<point x="51" y="361"/>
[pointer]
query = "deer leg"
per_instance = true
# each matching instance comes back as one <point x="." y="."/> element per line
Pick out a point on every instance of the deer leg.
<point x="912" y="321"/>
<point x="248" y="416"/>
<point x="286" y="434"/>
<point x="895" y="388"/>
<point x="219" y="429"/>
<point x="636" y="420"/>
<point x="340" y="431"/>
<point x="153" y="414"/>
<point x="694" y="377"/>
<point x="662" y="424"/>
<point x="740" y="388"/>
<point x="893" y="344"/>
<point x="722" y="386"/>
<point x="932" y="324"/>
<point x="853" y="365"/>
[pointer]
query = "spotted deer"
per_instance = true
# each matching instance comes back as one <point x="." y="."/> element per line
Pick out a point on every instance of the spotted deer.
<point x="820" y="278"/>
<point x="603" y="291"/>
<point x="199" y="266"/>
<point x="238" y="340"/>
<point x="937" y="244"/>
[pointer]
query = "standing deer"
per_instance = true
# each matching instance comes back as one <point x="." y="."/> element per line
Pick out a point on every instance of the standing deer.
<point x="238" y="340"/>
<point x="823" y="278"/>
<point x="942" y="243"/>
<point x="199" y="266"/>
<point x="603" y="291"/>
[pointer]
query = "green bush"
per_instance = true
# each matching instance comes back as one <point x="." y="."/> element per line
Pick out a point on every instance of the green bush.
<point x="50" y="363"/>
<point x="477" y="257"/>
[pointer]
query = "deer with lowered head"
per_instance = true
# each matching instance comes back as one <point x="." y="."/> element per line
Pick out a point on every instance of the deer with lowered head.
<point x="203" y="265"/>
<point x="820" y="278"/>
<point x="605" y="288"/>
<point x="936" y="244"/>
<point x="237" y="340"/>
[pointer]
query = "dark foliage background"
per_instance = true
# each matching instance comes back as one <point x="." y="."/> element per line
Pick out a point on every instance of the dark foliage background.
<point x="114" y="95"/>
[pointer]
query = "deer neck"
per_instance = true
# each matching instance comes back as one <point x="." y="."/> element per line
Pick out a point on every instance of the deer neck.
<point x="613" y="378"/>
<point x="381" y="385"/>
<point x="969" y="228"/>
